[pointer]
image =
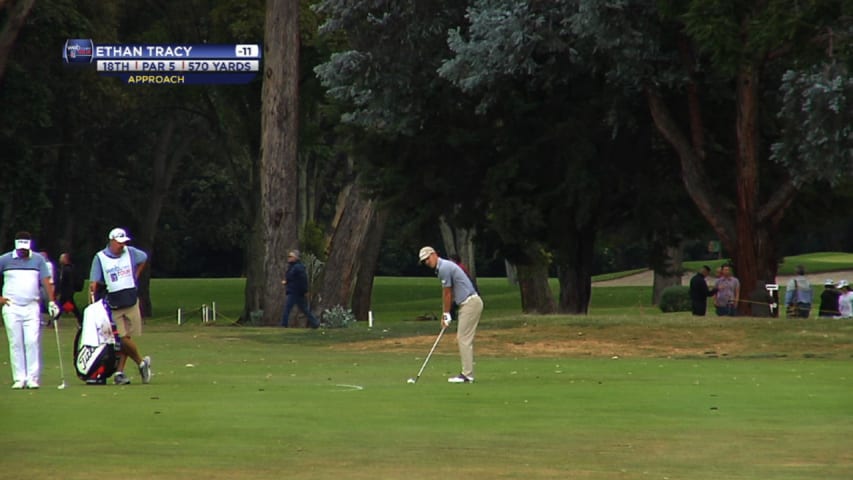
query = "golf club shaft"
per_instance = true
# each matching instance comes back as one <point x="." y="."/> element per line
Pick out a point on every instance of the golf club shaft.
<point x="426" y="360"/>
<point x="59" y="348"/>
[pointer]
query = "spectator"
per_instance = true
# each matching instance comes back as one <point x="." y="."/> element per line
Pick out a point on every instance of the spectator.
<point x="829" y="300"/>
<point x="845" y="300"/>
<point x="728" y="293"/>
<point x="118" y="267"/>
<point x="456" y="287"/>
<point x="68" y="285"/>
<point x="22" y="273"/>
<point x="296" y="287"/>
<point x="798" y="295"/>
<point x="699" y="291"/>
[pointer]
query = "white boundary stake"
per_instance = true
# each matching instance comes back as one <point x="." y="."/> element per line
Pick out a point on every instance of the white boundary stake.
<point x="370" y="318"/>
<point x="204" y="313"/>
<point x="213" y="304"/>
<point x="179" y="315"/>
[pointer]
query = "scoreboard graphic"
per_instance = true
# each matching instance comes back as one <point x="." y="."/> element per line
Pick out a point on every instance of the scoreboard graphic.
<point x="167" y="64"/>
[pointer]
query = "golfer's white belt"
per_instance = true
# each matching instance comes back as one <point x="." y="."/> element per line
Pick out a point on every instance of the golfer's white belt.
<point x="469" y="298"/>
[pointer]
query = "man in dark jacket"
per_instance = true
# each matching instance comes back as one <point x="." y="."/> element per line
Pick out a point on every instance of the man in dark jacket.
<point x="296" y="286"/>
<point x="699" y="291"/>
<point x="68" y="284"/>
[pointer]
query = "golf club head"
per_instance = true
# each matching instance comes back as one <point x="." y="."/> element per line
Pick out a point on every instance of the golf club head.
<point x="61" y="387"/>
<point x="412" y="380"/>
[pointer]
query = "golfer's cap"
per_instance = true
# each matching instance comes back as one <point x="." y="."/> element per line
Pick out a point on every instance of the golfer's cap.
<point x="425" y="253"/>
<point x="828" y="282"/>
<point x="23" y="244"/>
<point x="843" y="283"/>
<point x="119" y="235"/>
<point x="23" y="241"/>
<point x="294" y="254"/>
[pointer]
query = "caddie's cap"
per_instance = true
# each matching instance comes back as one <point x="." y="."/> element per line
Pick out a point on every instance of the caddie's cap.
<point x="119" y="235"/>
<point x="843" y="284"/>
<point x="294" y="254"/>
<point x="425" y="253"/>
<point x="828" y="282"/>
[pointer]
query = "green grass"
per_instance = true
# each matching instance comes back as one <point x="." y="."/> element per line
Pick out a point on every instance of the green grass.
<point x="622" y="393"/>
<point x="255" y="403"/>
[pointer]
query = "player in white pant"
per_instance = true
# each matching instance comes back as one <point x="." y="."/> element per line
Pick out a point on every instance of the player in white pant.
<point x="23" y="328"/>
<point x="22" y="271"/>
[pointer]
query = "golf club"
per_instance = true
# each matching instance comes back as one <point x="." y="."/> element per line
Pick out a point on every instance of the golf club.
<point x="59" y="351"/>
<point x="426" y="360"/>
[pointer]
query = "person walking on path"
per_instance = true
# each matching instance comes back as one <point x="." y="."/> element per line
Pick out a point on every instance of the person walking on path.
<point x="457" y="288"/>
<point x="118" y="267"/>
<point x="296" y="287"/>
<point x="24" y="273"/>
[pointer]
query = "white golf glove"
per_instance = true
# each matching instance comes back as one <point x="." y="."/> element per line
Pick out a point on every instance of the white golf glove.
<point x="446" y="319"/>
<point x="53" y="309"/>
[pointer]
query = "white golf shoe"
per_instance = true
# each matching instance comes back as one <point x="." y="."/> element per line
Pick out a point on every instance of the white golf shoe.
<point x="145" y="369"/>
<point x="460" y="379"/>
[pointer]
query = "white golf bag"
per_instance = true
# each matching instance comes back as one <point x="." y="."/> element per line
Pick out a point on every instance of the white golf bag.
<point x="96" y="345"/>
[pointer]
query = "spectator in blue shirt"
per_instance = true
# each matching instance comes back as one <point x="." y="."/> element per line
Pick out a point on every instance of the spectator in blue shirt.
<point x="296" y="287"/>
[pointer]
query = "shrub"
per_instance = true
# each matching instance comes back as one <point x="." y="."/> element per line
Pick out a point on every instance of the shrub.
<point x="338" y="317"/>
<point x="675" y="299"/>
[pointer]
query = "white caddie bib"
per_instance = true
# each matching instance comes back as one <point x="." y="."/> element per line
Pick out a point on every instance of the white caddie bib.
<point x="118" y="272"/>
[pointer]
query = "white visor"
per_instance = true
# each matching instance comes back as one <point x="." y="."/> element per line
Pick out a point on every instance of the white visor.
<point x="22" y="244"/>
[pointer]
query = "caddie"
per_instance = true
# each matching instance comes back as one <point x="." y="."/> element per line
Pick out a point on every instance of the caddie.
<point x="118" y="267"/>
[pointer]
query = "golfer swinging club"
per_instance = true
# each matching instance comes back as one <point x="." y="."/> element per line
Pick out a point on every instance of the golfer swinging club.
<point x="457" y="288"/>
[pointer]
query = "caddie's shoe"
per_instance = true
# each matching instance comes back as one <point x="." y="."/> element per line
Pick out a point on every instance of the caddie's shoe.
<point x="121" y="379"/>
<point x="32" y="384"/>
<point x="145" y="369"/>
<point x="19" y="385"/>
<point x="461" y="379"/>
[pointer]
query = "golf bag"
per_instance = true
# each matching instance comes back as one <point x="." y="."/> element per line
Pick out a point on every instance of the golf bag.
<point x="96" y="345"/>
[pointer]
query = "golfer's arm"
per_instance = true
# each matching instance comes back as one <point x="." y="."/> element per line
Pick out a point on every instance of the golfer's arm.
<point x="48" y="287"/>
<point x="447" y="300"/>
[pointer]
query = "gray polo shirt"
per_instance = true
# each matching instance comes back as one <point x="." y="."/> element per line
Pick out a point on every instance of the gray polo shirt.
<point x="452" y="276"/>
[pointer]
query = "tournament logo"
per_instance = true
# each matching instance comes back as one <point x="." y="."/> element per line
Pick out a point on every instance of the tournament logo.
<point x="78" y="51"/>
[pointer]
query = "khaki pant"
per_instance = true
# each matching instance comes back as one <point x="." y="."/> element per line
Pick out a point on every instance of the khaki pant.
<point x="469" y="318"/>
<point x="128" y="321"/>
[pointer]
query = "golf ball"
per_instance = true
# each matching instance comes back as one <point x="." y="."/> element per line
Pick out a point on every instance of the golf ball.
<point x="411" y="380"/>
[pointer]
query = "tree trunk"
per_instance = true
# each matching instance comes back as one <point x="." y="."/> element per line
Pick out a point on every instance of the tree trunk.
<point x="369" y="253"/>
<point x="575" y="271"/>
<point x="459" y="241"/>
<point x="345" y="261"/>
<point x="278" y="172"/>
<point x="745" y="228"/>
<point x="668" y="273"/>
<point x="164" y="165"/>
<point x="15" y="15"/>
<point x="536" y="295"/>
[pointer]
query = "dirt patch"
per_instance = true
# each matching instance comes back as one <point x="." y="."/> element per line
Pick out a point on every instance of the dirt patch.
<point x="562" y="341"/>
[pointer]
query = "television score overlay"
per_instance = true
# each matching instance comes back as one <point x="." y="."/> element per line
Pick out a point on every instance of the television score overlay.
<point x="167" y="64"/>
